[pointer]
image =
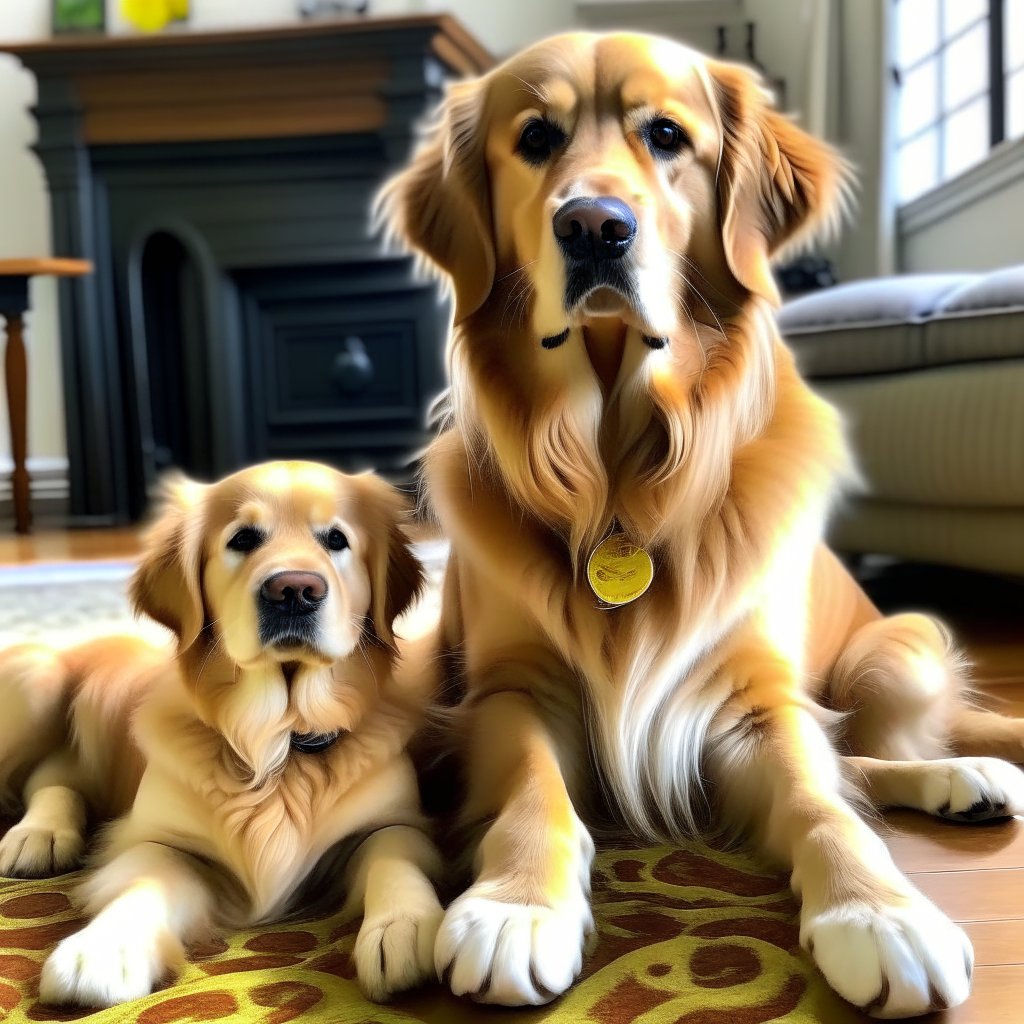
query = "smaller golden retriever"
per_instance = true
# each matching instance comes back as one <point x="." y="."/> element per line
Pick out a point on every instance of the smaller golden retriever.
<point x="273" y="744"/>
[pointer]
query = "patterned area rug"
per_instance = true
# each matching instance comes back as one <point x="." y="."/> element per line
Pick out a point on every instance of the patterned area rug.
<point x="686" y="935"/>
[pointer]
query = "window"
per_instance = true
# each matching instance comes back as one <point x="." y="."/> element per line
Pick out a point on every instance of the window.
<point x="959" y="74"/>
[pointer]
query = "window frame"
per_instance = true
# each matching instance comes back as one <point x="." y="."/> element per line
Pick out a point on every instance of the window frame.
<point x="996" y="90"/>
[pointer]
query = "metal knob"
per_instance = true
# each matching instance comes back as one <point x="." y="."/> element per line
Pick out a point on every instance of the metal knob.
<point x="352" y="368"/>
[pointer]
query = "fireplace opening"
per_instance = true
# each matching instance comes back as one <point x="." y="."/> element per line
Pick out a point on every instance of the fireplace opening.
<point x="175" y="394"/>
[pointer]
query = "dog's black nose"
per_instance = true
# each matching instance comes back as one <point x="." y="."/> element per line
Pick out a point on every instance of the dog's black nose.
<point x="595" y="227"/>
<point x="294" y="592"/>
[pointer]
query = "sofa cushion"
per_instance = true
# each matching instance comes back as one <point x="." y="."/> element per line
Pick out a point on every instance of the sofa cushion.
<point x="946" y="436"/>
<point x="972" y="538"/>
<point x="983" y="319"/>
<point x="868" y="326"/>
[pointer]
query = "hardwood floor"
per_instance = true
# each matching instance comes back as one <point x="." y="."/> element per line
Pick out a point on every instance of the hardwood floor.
<point x="974" y="872"/>
<point x="68" y="545"/>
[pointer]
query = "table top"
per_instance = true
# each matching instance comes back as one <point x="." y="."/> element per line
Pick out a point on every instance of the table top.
<point x="45" y="265"/>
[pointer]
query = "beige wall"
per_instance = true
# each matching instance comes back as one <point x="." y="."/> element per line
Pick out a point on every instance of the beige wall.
<point x="25" y="231"/>
<point x="972" y="222"/>
<point x="860" y="125"/>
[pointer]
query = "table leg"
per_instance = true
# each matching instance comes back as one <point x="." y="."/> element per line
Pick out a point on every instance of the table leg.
<point x="16" y="374"/>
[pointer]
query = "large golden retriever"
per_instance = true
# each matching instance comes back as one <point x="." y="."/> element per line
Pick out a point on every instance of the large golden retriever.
<point x="271" y="745"/>
<point x="635" y="480"/>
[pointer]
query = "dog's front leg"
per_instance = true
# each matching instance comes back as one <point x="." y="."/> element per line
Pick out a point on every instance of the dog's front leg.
<point x="880" y="943"/>
<point x="516" y="936"/>
<point x="145" y="902"/>
<point x="389" y="881"/>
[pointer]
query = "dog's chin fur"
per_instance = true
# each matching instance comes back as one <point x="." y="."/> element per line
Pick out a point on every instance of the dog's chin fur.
<point x="256" y="708"/>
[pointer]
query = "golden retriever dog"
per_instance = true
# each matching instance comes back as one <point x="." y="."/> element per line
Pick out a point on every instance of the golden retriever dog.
<point x="635" y="479"/>
<point x="273" y="743"/>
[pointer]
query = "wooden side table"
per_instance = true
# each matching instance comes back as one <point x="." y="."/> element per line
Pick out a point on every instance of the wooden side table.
<point x="14" y="278"/>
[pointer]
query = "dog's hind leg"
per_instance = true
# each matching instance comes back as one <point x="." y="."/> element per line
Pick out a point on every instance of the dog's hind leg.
<point x="977" y="732"/>
<point x="900" y="683"/>
<point x="904" y="689"/>
<point x="964" y="789"/>
<point x="37" y="767"/>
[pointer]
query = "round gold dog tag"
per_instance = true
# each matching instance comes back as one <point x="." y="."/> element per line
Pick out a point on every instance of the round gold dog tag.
<point x="619" y="571"/>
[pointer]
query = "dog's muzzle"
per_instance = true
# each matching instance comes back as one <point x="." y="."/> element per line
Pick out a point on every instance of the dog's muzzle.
<point x="288" y="602"/>
<point x="594" y="234"/>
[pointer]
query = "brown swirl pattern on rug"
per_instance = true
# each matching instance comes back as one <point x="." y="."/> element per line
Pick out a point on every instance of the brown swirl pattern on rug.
<point x="687" y="936"/>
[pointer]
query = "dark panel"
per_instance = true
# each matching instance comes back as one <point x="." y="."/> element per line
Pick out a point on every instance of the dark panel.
<point x="345" y="360"/>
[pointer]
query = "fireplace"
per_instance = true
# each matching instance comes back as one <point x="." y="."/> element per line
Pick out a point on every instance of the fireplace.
<point x="241" y="308"/>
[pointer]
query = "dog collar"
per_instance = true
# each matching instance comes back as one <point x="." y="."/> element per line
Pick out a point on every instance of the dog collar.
<point x="314" y="742"/>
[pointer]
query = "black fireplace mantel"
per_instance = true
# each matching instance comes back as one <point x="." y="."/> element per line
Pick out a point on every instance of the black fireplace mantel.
<point x="241" y="307"/>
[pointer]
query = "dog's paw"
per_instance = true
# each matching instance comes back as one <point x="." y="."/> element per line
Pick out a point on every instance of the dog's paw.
<point x="396" y="952"/>
<point x="34" y="851"/>
<point x="892" y="962"/>
<point x="100" y="967"/>
<point x="973" y="789"/>
<point x="511" y="954"/>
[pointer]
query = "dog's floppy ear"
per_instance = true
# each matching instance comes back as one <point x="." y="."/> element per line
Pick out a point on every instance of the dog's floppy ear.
<point x="440" y="204"/>
<point x="777" y="185"/>
<point x="396" y="575"/>
<point x="167" y="585"/>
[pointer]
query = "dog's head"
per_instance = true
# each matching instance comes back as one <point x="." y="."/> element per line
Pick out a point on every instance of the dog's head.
<point x="614" y="178"/>
<point x="606" y="208"/>
<point x="288" y="563"/>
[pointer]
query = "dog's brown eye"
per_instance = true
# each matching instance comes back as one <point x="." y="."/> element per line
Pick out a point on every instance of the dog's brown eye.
<point x="246" y="539"/>
<point x="537" y="140"/>
<point x="335" y="540"/>
<point x="666" y="136"/>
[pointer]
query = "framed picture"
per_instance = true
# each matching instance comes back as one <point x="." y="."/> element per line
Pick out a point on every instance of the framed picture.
<point x="78" y="16"/>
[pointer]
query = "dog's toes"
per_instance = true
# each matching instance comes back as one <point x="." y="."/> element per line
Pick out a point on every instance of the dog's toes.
<point x="511" y="954"/>
<point x="981" y="810"/>
<point x="892" y="961"/>
<point x="971" y="789"/>
<point x="30" y="851"/>
<point x="105" y="964"/>
<point x="393" y="954"/>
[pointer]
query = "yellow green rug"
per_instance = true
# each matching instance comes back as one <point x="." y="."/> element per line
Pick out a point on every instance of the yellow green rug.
<point x="687" y="936"/>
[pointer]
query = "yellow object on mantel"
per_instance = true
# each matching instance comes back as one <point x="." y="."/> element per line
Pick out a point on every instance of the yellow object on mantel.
<point x="153" y="15"/>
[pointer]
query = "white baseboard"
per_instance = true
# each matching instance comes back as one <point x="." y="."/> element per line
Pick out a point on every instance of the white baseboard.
<point x="49" y="490"/>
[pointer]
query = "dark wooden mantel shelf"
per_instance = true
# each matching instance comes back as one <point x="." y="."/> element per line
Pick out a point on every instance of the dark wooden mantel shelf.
<point x="322" y="77"/>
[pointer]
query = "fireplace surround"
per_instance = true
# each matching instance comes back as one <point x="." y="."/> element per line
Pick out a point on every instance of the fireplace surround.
<point x="241" y="307"/>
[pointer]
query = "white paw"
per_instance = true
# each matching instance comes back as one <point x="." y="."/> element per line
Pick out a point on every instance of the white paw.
<point x="34" y="851"/>
<point x="97" y="968"/>
<point x="894" y="962"/>
<point x="973" y="789"/>
<point x="511" y="954"/>
<point x="395" y="953"/>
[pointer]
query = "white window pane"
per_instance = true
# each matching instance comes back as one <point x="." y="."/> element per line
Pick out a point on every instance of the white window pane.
<point x="956" y="14"/>
<point x="918" y="163"/>
<point x="919" y="98"/>
<point x="917" y="30"/>
<point x="1013" y="34"/>
<point x="967" y="137"/>
<point x="1015" y="105"/>
<point x="965" y="67"/>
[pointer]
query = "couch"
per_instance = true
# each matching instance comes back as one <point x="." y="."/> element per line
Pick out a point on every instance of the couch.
<point x="929" y="372"/>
